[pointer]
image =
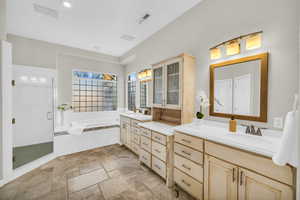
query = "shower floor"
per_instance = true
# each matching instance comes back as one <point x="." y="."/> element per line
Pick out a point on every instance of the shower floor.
<point x="25" y="154"/>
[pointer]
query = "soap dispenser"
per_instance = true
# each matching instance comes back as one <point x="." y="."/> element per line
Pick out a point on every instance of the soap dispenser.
<point x="232" y="125"/>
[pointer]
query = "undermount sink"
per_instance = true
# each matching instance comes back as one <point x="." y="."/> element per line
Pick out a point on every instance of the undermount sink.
<point x="243" y="137"/>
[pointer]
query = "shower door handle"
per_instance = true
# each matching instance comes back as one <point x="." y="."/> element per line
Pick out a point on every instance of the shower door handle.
<point x="49" y="116"/>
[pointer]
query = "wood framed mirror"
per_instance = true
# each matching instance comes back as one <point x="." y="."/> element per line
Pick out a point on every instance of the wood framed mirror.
<point x="239" y="88"/>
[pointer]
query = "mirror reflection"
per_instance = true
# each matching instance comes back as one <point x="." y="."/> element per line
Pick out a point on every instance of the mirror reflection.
<point x="145" y="88"/>
<point x="237" y="89"/>
<point x="144" y="94"/>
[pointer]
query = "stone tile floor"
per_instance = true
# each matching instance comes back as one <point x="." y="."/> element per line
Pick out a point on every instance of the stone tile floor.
<point x="107" y="173"/>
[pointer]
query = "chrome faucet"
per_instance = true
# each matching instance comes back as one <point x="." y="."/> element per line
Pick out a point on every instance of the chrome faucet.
<point x="251" y="130"/>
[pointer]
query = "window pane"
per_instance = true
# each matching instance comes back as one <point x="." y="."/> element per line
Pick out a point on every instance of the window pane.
<point x="92" y="90"/>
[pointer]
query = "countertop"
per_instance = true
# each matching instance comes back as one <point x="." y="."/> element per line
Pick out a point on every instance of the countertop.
<point x="266" y="145"/>
<point x="137" y="116"/>
<point x="162" y="128"/>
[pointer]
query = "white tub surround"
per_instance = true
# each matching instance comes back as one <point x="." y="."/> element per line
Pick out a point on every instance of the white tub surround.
<point x="266" y="145"/>
<point x="137" y="116"/>
<point x="85" y="125"/>
<point x="207" y="154"/>
<point x="68" y="144"/>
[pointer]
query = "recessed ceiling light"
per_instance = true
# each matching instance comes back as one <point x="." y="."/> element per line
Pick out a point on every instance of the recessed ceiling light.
<point x="67" y="4"/>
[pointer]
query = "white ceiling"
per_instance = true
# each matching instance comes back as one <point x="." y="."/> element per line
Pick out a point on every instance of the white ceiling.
<point x="93" y="23"/>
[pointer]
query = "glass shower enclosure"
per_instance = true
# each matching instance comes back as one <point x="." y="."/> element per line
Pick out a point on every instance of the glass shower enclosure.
<point x="33" y="113"/>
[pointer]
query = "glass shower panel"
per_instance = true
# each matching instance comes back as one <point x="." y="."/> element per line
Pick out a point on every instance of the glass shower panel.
<point x="173" y="84"/>
<point x="33" y="106"/>
<point x="158" y="86"/>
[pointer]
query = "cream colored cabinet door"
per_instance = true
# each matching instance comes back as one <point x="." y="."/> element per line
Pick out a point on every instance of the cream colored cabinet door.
<point x="123" y="133"/>
<point x="253" y="186"/>
<point x="220" y="181"/>
<point x="172" y="95"/>
<point x="128" y="136"/>
<point x="158" y="86"/>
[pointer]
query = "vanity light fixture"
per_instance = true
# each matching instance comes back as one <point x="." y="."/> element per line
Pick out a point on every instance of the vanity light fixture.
<point x="149" y="73"/>
<point x="145" y="74"/>
<point x="24" y="78"/>
<point x="253" y="41"/>
<point x="33" y="79"/>
<point x="67" y="3"/>
<point x="43" y="80"/>
<point x="232" y="47"/>
<point x="215" y="53"/>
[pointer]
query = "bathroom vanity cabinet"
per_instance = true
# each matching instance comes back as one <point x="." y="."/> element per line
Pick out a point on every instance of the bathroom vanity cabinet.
<point x="130" y="133"/>
<point x="224" y="172"/>
<point x="173" y="87"/>
<point x="157" y="151"/>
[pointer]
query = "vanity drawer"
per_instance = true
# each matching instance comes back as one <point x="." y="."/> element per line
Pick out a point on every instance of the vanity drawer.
<point x="189" y="167"/>
<point x="159" y="151"/>
<point x="190" y="141"/>
<point x="162" y="139"/>
<point x="188" y="153"/>
<point x="135" y="148"/>
<point x="159" y="167"/>
<point x="136" y="138"/>
<point x="134" y="130"/>
<point x="145" y="132"/>
<point x="189" y="184"/>
<point x="134" y="123"/>
<point x="145" y="157"/>
<point x="146" y="143"/>
<point x="251" y="161"/>
<point x="125" y="120"/>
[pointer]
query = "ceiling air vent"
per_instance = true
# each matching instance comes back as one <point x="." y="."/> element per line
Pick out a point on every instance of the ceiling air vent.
<point x="127" y="37"/>
<point x="45" y="11"/>
<point x="144" y="18"/>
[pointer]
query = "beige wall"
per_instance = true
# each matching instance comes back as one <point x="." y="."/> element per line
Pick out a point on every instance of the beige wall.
<point x="47" y="55"/>
<point x="214" y="21"/>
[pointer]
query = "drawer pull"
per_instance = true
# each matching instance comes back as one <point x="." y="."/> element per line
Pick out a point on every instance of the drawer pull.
<point x="157" y="151"/>
<point x="158" y="138"/>
<point x="144" y="143"/>
<point x="241" y="178"/>
<point x="157" y="167"/>
<point x="187" y="184"/>
<point x="186" y="167"/>
<point x="186" y="153"/>
<point x="187" y="141"/>
<point x="233" y="175"/>
<point x="144" y="158"/>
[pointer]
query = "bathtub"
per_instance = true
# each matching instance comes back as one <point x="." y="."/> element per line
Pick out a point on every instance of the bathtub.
<point x="99" y="131"/>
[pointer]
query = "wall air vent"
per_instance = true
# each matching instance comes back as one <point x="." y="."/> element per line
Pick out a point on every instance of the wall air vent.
<point x="128" y="37"/>
<point x="45" y="11"/>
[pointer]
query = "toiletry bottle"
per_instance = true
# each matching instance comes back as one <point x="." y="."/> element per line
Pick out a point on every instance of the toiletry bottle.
<point x="232" y="125"/>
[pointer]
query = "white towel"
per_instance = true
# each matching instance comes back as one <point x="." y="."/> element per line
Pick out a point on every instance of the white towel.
<point x="288" y="149"/>
<point x="76" y="129"/>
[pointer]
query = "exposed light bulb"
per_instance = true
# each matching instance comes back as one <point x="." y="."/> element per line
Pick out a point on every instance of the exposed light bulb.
<point x="33" y="79"/>
<point x="43" y="80"/>
<point x="24" y="78"/>
<point x="67" y="4"/>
